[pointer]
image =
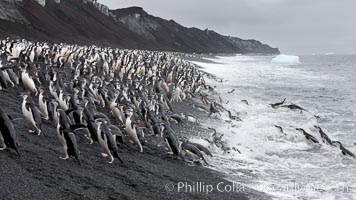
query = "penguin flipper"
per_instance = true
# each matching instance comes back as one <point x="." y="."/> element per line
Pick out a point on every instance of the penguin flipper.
<point x="77" y="126"/>
<point x="71" y="110"/>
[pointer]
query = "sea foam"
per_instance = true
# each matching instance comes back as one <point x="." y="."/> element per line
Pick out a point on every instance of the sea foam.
<point x="286" y="59"/>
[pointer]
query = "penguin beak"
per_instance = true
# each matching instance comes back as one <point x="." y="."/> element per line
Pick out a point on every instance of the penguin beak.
<point x="23" y="94"/>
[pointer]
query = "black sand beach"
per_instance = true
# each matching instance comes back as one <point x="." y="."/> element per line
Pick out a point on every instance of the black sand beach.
<point x="40" y="174"/>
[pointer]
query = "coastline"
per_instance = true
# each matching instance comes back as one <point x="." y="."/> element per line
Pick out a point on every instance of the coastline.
<point x="40" y="174"/>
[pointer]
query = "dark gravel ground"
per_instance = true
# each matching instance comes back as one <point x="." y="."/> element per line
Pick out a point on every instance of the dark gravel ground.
<point x="40" y="174"/>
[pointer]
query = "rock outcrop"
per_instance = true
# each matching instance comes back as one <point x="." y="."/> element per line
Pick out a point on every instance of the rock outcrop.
<point x="176" y="37"/>
<point x="9" y="10"/>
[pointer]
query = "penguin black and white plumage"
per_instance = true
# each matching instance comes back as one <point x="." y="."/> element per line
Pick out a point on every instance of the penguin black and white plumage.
<point x="201" y="148"/>
<point x="233" y="117"/>
<point x="28" y="82"/>
<point x="275" y="105"/>
<point x="117" y="133"/>
<point x="66" y="136"/>
<point x="294" y="107"/>
<point x="32" y="115"/>
<point x="280" y="129"/>
<point x="4" y="76"/>
<point x="179" y="119"/>
<point x="213" y="109"/>
<point x="62" y="100"/>
<point x="170" y="139"/>
<point x="108" y="141"/>
<point x="7" y="133"/>
<point x="118" y="114"/>
<point x="90" y="122"/>
<point x="189" y="149"/>
<point x="311" y="140"/>
<point x="324" y="136"/>
<point x="42" y="102"/>
<point x="344" y="151"/>
<point x="51" y="110"/>
<point x="130" y="129"/>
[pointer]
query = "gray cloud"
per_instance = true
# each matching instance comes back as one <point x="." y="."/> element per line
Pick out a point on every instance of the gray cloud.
<point x="294" y="26"/>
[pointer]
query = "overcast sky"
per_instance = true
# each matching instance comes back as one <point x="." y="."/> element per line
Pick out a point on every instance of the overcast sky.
<point x="294" y="26"/>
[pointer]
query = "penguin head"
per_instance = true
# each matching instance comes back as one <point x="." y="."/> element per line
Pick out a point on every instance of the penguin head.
<point x="25" y="96"/>
<point x="336" y="144"/>
<point x="300" y="129"/>
<point x="184" y="139"/>
<point x="317" y="127"/>
<point x="41" y="89"/>
<point x="99" y="123"/>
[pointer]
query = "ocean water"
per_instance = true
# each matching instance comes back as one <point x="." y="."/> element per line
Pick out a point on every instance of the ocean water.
<point x="285" y="166"/>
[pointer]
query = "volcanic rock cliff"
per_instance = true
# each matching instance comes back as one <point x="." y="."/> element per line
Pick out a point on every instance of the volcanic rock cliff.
<point x="89" y="22"/>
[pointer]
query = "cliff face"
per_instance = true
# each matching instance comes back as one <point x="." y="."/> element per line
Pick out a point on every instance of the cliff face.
<point x="89" y="22"/>
<point x="9" y="11"/>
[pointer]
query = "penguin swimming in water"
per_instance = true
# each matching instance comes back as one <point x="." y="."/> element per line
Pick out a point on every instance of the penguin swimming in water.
<point x="280" y="129"/>
<point x="344" y="151"/>
<point x="28" y="82"/>
<point x="7" y="133"/>
<point x="310" y="139"/>
<point x="245" y="101"/>
<point x="230" y="92"/>
<point x="201" y="148"/>
<point x="190" y="118"/>
<point x="323" y="135"/>
<point x="275" y="105"/>
<point x="294" y="107"/>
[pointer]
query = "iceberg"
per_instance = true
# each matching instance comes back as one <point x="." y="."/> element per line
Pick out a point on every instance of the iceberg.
<point x="286" y="59"/>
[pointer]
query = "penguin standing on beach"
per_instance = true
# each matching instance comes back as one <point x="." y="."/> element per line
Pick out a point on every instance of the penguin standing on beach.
<point x="280" y="129"/>
<point x="130" y="129"/>
<point x="8" y="137"/>
<point x="171" y="140"/>
<point x="43" y="104"/>
<point x="28" y="82"/>
<point x="66" y="136"/>
<point x="31" y="113"/>
<point x="108" y="141"/>
<point x="4" y="76"/>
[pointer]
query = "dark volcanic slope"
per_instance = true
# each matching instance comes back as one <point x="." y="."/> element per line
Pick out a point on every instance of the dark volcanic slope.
<point x="70" y="21"/>
<point x="76" y="22"/>
<point x="40" y="174"/>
